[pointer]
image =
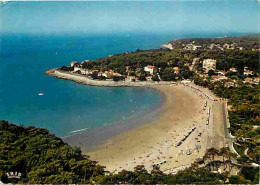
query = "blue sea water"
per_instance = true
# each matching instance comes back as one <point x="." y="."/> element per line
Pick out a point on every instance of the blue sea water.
<point x="65" y="106"/>
<point x="36" y="36"/>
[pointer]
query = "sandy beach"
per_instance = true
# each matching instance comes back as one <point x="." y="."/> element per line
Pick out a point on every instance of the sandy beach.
<point x="156" y="142"/>
<point x="153" y="138"/>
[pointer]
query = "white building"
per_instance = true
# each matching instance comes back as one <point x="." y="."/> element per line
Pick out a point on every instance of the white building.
<point x="247" y="71"/>
<point x="149" y="69"/>
<point x="233" y="69"/>
<point x="257" y="79"/>
<point x="220" y="73"/>
<point x="192" y="47"/>
<point x="131" y="78"/>
<point x="194" y="61"/>
<point x="84" y="71"/>
<point x="209" y="64"/>
<point x="72" y="64"/>
<point x="77" y="69"/>
<point x="100" y="73"/>
<point x="176" y="70"/>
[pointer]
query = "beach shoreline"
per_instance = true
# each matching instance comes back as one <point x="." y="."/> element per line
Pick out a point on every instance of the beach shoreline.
<point x="153" y="138"/>
<point x="155" y="142"/>
<point x="101" y="134"/>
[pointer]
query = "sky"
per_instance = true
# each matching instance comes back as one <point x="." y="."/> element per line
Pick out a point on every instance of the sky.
<point x="109" y="17"/>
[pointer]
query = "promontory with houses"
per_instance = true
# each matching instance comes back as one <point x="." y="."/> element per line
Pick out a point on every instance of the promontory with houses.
<point x="227" y="59"/>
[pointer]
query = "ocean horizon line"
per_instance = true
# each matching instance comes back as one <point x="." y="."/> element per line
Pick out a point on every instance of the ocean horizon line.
<point x="130" y="33"/>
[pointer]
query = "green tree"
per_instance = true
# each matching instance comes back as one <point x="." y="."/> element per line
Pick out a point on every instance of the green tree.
<point x="211" y="72"/>
<point x="155" y="78"/>
<point x="142" y="77"/>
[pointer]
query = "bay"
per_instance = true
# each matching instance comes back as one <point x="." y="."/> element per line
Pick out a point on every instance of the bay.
<point x="37" y="36"/>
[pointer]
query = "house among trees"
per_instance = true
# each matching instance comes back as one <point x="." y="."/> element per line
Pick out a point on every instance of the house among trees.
<point x="209" y="64"/>
<point x="176" y="70"/>
<point x="127" y="70"/>
<point x="118" y="74"/>
<point x="72" y="64"/>
<point x="230" y="84"/>
<point x="257" y="80"/>
<point x="192" y="47"/>
<point x="77" y="68"/>
<point x="229" y="46"/>
<point x="85" y="61"/>
<point x="220" y="73"/>
<point x="109" y="74"/>
<point x="192" y="67"/>
<point x="215" y="77"/>
<point x="248" y="79"/>
<point x="100" y="73"/>
<point x="149" y="69"/>
<point x="131" y="78"/>
<point x="233" y="69"/>
<point x="247" y="71"/>
<point x="84" y="71"/>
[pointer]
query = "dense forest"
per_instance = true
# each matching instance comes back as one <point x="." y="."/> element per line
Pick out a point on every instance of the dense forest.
<point x="42" y="158"/>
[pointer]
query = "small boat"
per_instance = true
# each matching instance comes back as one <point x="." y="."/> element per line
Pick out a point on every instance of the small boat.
<point x="40" y="94"/>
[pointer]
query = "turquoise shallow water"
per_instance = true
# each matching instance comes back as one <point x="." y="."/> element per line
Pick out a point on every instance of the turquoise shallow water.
<point x="42" y="36"/>
<point x="65" y="107"/>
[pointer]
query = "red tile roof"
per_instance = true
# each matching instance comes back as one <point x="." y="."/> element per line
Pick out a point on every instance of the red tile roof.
<point x="150" y="67"/>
